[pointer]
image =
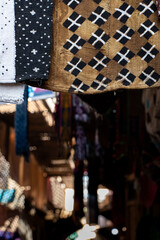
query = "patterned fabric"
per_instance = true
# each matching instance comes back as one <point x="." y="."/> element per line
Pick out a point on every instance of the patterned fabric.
<point x="102" y="45"/>
<point x="33" y="28"/>
<point x="25" y="44"/>
<point x="4" y="172"/>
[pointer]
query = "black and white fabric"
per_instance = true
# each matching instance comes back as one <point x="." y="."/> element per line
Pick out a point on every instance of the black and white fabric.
<point x="74" y="44"/>
<point x="148" y="52"/>
<point x="98" y="39"/>
<point x="149" y="76"/>
<point x="125" y="77"/>
<point x="26" y="36"/>
<point x="99" y="61"/>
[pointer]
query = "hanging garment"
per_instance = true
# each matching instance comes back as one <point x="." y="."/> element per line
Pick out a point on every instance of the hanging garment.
<point x="102" y="45"/>
<point x="21" y="127"/>
<point x="25" y="45"/>
<point x="11" y="93"/>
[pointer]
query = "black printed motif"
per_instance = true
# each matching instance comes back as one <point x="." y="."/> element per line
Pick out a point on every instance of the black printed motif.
<point x="149" y="76"/>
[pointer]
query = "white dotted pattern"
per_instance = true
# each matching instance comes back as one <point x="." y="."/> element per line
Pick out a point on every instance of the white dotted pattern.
<point x="7" y="41"/>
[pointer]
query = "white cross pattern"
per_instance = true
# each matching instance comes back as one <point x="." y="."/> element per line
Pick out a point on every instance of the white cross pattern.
<point x="75" y="66"/>
<point x="123" y="57"/>
<point x="98" y="39"/>
<point x="99" y="16"/>
<point x="100" y="85"/>
<point x="148" y="52"/>
<point x="147" y="7"/>
<point x="78" y="86"/>
<point x="99" y="62"/>
<point x="124" y="12"/>
<point x="125" y="77"/>
<point x="149" y="76"/>
<point x="147" y="29"/>
<point x="124" y="34"/>
<point x="74" y="21"/>
<point x="74" y="44"/>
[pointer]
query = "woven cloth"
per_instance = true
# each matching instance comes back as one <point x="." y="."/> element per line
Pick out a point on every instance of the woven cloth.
<point x="25" y="40"/>
<point x="102" y="45"/>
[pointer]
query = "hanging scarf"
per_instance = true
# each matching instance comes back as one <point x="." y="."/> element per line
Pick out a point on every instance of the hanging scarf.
<point x="21" y="127"/>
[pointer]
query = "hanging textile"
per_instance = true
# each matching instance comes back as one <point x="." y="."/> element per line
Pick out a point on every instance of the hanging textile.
<point x="21" y="127"/>
<point x="9" y="230"/>
<point x="65" y="112"/>
<point x="102" y="45"/>
<point x="19" y="198"/>
<point x="4" y="172"/>
<point x="26" y="35"/>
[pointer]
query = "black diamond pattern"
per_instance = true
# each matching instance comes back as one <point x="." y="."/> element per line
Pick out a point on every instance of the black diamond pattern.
<point x="74" y="44"/>
<point x="147" y="7"/>
<point x="125" y="77"/>
<point x="75" y="66"/>
<point x="99" y="61"/>
<point x="99" y="16"/>
<point x="124" y="34"/>
<point x="100" y="83"/>
<point x="149" y="76"/>
<point x="78" y="86"/>
<point x="98" y="39"/>
<point x="147" y="29"/>
<point x="148" y="52"/>
<point x="72" y="3"/>
<point x="123" y="57"/>
<point x="74" y="22"/>
<point x="124" y="12"/>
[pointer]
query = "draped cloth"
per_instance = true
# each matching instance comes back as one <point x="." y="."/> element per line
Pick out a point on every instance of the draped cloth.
<point x="103" y="45"/>
<point x="21" y="127"/>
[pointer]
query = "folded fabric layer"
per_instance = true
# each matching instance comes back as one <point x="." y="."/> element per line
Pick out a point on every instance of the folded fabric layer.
<point x="25" y="40"/>
<point x="11" y="93"/>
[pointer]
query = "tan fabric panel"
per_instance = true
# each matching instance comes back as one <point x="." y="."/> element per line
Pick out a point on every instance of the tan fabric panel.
<point x="103" y="45"/>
